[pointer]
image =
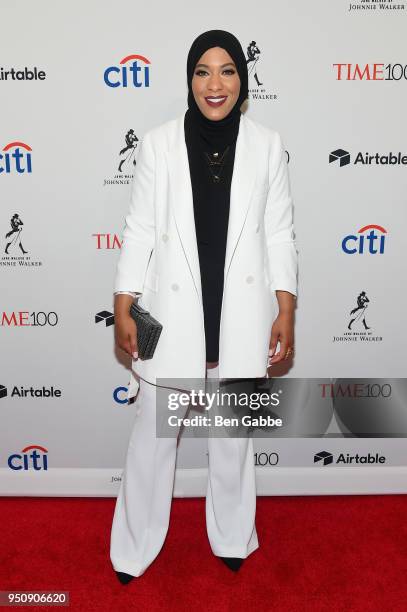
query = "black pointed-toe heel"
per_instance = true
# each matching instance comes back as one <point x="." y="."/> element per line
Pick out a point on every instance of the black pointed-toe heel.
<point x="233" y="563"/>
<point x="124" y="578"/>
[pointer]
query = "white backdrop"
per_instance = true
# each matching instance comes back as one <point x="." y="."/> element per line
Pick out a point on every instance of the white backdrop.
<point x="333" y="83"/>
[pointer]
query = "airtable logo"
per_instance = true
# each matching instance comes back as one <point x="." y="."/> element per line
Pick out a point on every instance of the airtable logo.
<point x="326" y="458"/>
<point x="22" y="392"/>
<point x="367" y="159"/>
<point x="29" y="461"/>
<point x="352" y="244"/>
<point x="14" y="159"/>
<point x="105" y="316"/>
<point x="128" y="75"/>
<point x="340" y="155"/>
<point x="13" y="74"/>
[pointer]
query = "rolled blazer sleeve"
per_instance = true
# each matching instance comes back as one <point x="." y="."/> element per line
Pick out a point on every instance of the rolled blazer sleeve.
<point x="138" y="233"/>
<point x="278" y="220"/>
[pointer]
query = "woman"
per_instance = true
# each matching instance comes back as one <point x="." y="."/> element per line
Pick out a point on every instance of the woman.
<point x="208" y="244"/>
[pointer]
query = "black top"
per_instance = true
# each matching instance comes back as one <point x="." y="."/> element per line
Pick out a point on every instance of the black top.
<point x="211" y="201"/>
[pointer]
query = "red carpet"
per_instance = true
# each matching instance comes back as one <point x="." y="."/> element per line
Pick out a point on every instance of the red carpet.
<point x="316" y="553"/>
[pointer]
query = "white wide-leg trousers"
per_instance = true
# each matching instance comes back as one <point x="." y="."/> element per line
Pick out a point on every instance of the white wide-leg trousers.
<point x="142" y="511"/>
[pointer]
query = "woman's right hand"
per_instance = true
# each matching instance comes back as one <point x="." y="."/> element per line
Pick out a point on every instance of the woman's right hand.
<point x="125" y="328"/>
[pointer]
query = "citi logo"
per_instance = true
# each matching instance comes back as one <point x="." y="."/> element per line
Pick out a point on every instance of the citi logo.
<point x="30" y="458"/>
<point x="106" y="316"/>
<point x="326" y="458"/>
<point x="369" y="239"/>
<point x="133" y="71"/>
<point x="367" y="159"/>
<point x="16" y="157"/>
<point x="107" y="242"/>
<point x="120" y="395"/>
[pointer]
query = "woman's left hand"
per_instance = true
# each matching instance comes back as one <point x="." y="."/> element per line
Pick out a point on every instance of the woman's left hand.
<point x="282" y="331"/>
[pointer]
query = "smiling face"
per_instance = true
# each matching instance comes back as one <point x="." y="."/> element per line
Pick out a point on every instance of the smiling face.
<point x="215" y="83"/>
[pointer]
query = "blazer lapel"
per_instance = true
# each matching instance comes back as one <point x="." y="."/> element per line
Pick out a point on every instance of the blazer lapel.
<point x="181" y="199"/>
<point x="243" y="181"/>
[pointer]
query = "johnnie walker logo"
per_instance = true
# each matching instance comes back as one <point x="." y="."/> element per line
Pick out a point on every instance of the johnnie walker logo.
<point x="126" y="161"/>
<point x="257" y="88"/>
<point x="14" y="253"/>
<point x="358" y="328"/>
<point x="375" y="6"/>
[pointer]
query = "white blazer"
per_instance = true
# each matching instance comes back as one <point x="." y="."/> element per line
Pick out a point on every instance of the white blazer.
<point x="159" y="255"/>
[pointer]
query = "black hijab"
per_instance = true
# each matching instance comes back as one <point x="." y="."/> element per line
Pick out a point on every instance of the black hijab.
<point x="216" y="134"/>
<point x="212" y="199"/>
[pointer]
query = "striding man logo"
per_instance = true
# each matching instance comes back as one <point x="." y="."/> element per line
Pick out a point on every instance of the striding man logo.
<point x="127" y="154"/>
<point x="13" y="237"/>
<point x="253" y="56"/>
<point x="358" y="314"/>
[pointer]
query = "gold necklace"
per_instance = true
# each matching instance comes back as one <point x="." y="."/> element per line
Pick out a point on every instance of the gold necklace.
<point x="216" y="163"/>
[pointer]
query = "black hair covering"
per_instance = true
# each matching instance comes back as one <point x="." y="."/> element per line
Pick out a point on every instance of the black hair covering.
<point x="216" y="134"/>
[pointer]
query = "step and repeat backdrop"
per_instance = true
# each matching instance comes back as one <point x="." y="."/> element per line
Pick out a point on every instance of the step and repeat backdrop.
<point x="80" y="84"/>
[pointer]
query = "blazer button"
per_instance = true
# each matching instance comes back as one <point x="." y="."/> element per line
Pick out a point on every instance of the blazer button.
<point x="174" y="287"/>
<point x="165" y="237"/>
<point x="249" y="279"/>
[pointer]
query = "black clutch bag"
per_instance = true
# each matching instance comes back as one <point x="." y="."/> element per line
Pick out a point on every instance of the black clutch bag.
<point x="148" y="331"/>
